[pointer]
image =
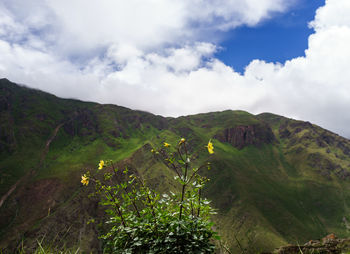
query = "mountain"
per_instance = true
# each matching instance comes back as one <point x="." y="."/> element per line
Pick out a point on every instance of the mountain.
<point x="274" y="180"/>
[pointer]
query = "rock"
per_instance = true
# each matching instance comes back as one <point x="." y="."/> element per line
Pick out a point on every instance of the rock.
<point x="307" y="137"/>
<point x="328" y="238"/>
<point x="320" y="142"/>
<point x="244" y="135"/>
<point x="185" y="131"/>
<point x="292" y="141"/>
<point x="302" y="125"/>
<point x="343" y="174"/>
<point x="327" y="245"/>
<point x="297" y="130"/>
<point x="328" y="138"/>
<point x="284" y="133"/>
<point x="81" y="123"/>
<point x="345" y="148"/>
<point x="325" y="166"/>
<point x="299" y="150"/>
<point x="110" y="142"/>
<point x="313" y="243"/>
<point x="7" y="139"/>
<point x="318" y="161"/>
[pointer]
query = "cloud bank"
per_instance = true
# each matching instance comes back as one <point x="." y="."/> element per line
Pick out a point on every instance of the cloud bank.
<point x="159" y="56"/>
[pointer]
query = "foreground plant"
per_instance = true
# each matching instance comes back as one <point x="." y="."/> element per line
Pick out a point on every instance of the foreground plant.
<point x="144" y="221"/>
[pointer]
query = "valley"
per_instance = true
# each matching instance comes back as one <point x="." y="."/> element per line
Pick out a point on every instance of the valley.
<point x="274" y="180"/>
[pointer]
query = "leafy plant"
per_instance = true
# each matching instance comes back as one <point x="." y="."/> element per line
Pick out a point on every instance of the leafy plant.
<point x="141" y="220"/>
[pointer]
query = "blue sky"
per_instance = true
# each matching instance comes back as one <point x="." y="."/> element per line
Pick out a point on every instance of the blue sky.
<point x="281" y="38"/>
<point x="288" y="57"/>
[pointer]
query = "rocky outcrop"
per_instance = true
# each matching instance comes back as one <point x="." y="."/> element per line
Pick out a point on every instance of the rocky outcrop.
<point x="244" y="135"/>
<point x="327" y="245"/>
<point x="302" y="125"/>
<point x="4" y="99"/>
<point x="325" y="166"/>
<point x="81" y="123"/>
<point x="7" y="138"/>
<point x="344" y="147"/>
<point x="7" y="133"/>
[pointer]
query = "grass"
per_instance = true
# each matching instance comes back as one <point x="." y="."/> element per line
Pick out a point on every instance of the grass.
<point x="43" y="248"/>
<point x="269" y="190"/>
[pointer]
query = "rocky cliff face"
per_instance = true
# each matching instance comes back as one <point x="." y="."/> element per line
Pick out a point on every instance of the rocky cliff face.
<point x="292" y="190"/>
<point x="244" y="135"/>
<point x="7" y="136"/>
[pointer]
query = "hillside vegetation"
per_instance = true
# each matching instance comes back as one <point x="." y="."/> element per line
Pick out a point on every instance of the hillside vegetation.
<point x="274" y="180"/>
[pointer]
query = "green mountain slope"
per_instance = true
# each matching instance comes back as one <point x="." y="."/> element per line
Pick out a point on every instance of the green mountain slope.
<point x="274" y="180"/>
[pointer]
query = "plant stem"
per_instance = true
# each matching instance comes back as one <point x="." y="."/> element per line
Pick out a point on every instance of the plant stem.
<point x="199" y="201"/>
<point x="195" y="172"/>
<point x="177" y="172"/>
<point x="182" y="199"/>
<point x="133" y="203"/>
<point x="117" y="207"/>
<point x="120" y="214"/>
<point x="192" y="211"/>
<point x="185" y="183"/>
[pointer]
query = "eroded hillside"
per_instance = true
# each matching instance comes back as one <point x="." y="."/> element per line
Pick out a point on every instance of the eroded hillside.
<point x="274" y="180"/>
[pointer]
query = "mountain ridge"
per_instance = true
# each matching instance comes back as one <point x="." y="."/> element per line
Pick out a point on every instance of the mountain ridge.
<point x="274" y="180"/>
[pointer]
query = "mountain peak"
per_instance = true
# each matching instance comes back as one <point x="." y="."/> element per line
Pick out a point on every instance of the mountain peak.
<point x="270" y="175"/>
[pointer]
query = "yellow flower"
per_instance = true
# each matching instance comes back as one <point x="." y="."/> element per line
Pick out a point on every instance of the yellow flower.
<point x="84" y="179"/>
<point x="210" y="147"/>
<point x="166" y="144"/>
<point x="101" y="164"/>
<point x="182" y="141"/>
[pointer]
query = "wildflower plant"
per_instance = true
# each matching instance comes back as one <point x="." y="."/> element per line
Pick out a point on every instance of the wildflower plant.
<point x="141" y="220"/>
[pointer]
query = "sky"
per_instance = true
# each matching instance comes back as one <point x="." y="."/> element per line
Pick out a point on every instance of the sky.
<point x="277" y="39"/>
<point x="288" y="57"/>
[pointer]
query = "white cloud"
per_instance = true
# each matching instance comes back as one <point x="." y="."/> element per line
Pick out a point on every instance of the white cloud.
<point x="232" y="13"/>
<point x="334" y="13"/>
<point x="8" y="27"/>
<point x="147" y="55"/>
<point x="76" y="27"/>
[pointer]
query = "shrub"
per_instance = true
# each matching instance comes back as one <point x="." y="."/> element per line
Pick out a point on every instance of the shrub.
<point x="141" y="220"/>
